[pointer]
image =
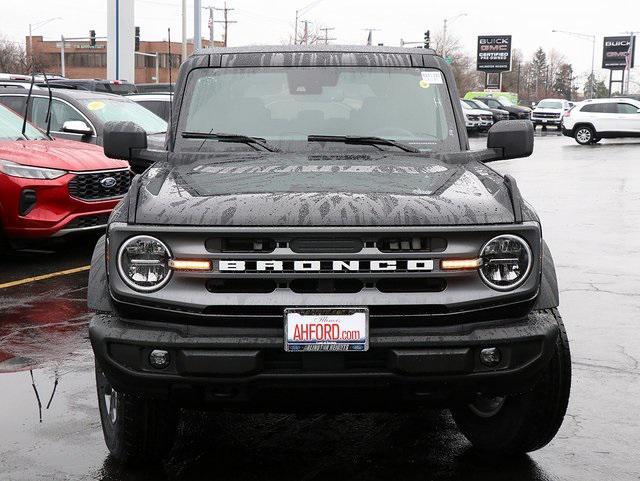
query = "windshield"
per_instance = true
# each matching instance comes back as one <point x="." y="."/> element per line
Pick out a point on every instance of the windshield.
<point x="107" y="109"/>
<point x="289" y="104"/>
<point x="481" y="104"/>
<point x="11" y="126"/>
<point x="505" y="101"/>
<point x="549" y="104"/>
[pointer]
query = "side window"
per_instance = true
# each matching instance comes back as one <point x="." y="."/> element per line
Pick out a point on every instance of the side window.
<point x="610" y="108"/>
<point x="60" y="113"/>
<point x="14" y="103"/>
<point x="494" y="104"/>
<point x="158" y="107"/>
<point x="627" y="109"/>
<point x="597" y="108"/>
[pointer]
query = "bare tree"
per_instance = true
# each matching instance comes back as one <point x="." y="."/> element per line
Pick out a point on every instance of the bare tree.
<point x="13" y="58"/>
<point x="462" y="64"/>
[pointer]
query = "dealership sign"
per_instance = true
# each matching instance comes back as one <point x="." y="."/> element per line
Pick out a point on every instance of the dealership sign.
<point x="615" y="51"/>
<point x="494" y="53"/>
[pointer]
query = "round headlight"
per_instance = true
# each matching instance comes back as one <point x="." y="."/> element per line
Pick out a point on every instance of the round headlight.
<point x="143" y="263"/>
<point x="506" y="262"/>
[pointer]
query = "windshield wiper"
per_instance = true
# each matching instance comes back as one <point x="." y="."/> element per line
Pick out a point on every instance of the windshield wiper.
<point x="361" y="140"/>
<point x="237" y="138"/>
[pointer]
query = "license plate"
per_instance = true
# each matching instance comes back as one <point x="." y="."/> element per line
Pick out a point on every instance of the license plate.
<point x="326" y="329"/>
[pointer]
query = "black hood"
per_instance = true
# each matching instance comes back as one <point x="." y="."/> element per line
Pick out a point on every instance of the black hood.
<point x="282" y="189"/>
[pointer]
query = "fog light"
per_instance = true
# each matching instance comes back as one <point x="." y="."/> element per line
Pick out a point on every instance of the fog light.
<point x="159" y="358"/>
<point x="490" y="356"/>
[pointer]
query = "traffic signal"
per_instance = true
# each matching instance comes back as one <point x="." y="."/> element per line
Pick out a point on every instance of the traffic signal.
<point x="137" y="49"/>
<point x="92" y="38"/>
<point x="427" y="38"/>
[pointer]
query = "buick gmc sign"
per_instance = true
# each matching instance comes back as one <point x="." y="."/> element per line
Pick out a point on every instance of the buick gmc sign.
<point x="494" y="53"/>
<point x="615" y="51"/>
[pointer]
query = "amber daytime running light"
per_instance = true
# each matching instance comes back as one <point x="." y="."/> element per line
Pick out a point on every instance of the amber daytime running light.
<point x="460" y="264"/>
<point x="189" y="265"/>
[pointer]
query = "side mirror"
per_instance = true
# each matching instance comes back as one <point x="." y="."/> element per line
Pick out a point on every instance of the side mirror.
<point x="511" y="139"/>
<point x="120" y="139"/>
<point x="76" y="127"/>
<point x="638" y="111"/>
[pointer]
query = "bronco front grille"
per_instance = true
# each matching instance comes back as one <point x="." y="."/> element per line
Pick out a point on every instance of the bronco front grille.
<point x="100" y="185"/>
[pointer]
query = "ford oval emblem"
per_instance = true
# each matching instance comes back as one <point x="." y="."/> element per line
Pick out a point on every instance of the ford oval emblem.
<point x="108" y="182"/>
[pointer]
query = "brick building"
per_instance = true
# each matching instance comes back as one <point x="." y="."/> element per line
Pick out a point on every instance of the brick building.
<point x="82" y="60"/>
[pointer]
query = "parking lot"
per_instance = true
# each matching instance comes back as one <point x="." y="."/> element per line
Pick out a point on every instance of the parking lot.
<point x="589" y="202"/>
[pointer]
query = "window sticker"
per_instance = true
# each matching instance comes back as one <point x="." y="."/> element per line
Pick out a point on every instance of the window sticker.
<point x="95" y="105"/>
<point x="432" y="77"/>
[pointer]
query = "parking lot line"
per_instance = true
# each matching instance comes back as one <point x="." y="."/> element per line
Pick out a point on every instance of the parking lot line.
<point x="44" y="276"/>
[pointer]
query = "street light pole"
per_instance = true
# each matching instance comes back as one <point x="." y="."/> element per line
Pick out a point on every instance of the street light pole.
<point x="32" y="28"/>
<point x="444" y="30"/>
<point x="592" y="38"/>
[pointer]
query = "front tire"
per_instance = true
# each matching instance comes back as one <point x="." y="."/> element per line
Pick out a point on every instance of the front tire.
<point x="584" y="135"/>
<point x="518" y="424"/>
<point x="136" y="430"/>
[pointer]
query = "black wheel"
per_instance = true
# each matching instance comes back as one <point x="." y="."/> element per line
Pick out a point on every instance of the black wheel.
<point x="518" y="424"/>
<point x="136" y="430"/>
<point x="584" y="135"/>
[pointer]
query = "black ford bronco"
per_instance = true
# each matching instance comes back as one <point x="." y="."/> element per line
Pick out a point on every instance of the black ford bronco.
<point x="317" y="235"/>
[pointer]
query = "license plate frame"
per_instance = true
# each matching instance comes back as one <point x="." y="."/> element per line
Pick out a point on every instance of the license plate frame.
<point x="354" y="317"/>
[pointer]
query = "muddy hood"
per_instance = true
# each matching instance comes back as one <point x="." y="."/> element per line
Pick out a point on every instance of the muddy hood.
<point x="328" y="190"/>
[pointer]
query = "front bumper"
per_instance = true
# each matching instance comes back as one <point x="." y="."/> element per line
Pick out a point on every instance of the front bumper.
<point x="55" y="212"/>
<point x="546" y="121"/>
<point x="248" y="368"/>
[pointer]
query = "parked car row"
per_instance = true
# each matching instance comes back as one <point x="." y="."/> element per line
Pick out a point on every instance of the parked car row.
<point x="54" y="177"/>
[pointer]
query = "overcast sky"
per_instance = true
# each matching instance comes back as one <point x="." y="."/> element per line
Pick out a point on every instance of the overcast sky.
<point x="271" y="22"/>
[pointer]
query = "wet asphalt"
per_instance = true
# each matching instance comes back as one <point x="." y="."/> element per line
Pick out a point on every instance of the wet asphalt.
<point x="589" y="202"/>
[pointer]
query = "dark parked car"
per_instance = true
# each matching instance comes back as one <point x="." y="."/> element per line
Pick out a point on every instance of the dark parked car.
<point x="81" y="115"/>
<point x="319" y="236"/>
<point x="149" y="88"/>
<point x="498" y="114"/>
<point x="119" y="87"/>
<point x="515" y="111"/>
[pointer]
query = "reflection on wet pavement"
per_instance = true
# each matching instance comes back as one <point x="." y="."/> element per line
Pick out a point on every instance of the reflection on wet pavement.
<point x="588" y="199"/>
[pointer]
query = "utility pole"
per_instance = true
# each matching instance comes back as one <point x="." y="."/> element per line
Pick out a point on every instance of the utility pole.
<point x="326" y="34"/>
<point x="197" y="25"/>
<point x="444" y="31"/>
<point x="184" y="30"/>
<point x="62" y="69"/>
<point x="370" y="36"/>
<point x="300" y="11"/>
<point x="629" y="62"/>
<point x="226" y="22"/>
<point x="210" y="25"/>
<point x="306" y="32"/>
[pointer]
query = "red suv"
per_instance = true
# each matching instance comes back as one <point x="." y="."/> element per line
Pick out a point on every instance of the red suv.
<point x="51" y="187"/>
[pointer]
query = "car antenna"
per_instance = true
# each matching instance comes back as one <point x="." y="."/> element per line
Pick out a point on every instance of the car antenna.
<point x="48" y="117"/>
<point x="170" y="83"/>
<point x="26" y="106"/>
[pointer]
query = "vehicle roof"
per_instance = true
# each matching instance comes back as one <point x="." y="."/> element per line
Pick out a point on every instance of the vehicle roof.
<point x="64" y="94"/>
<point x="313" y="48"/>
<point x="609" y="100"/>
<point x="553" y="100"/>
<point x="164" y="96"/>
<point x="86" y="80"/>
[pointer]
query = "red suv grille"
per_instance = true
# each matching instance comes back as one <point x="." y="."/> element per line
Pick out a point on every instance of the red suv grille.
<point x="100" y="185"/>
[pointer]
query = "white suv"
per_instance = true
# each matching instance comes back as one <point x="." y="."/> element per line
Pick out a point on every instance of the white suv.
<point x="592" y="120"/>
